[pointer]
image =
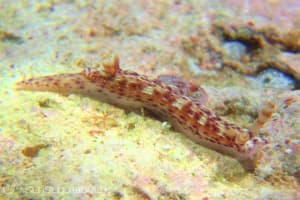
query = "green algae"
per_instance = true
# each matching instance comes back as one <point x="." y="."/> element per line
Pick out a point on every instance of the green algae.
<point x="7" y="36"/>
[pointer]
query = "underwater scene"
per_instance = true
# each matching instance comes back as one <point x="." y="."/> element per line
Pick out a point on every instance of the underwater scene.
<point x="150" y="100"/>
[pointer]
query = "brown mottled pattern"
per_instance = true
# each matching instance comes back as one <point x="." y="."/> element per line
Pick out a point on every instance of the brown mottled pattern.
<point x="126" y="89"/>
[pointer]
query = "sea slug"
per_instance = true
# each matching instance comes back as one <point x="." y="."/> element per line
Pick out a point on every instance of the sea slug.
<point x="130" y="90"/>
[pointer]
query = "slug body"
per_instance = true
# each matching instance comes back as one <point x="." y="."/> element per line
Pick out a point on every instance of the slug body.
<point x="130" y="90"/>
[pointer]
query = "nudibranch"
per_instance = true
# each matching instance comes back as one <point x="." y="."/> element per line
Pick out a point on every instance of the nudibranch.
<point x="130" y="90"/>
